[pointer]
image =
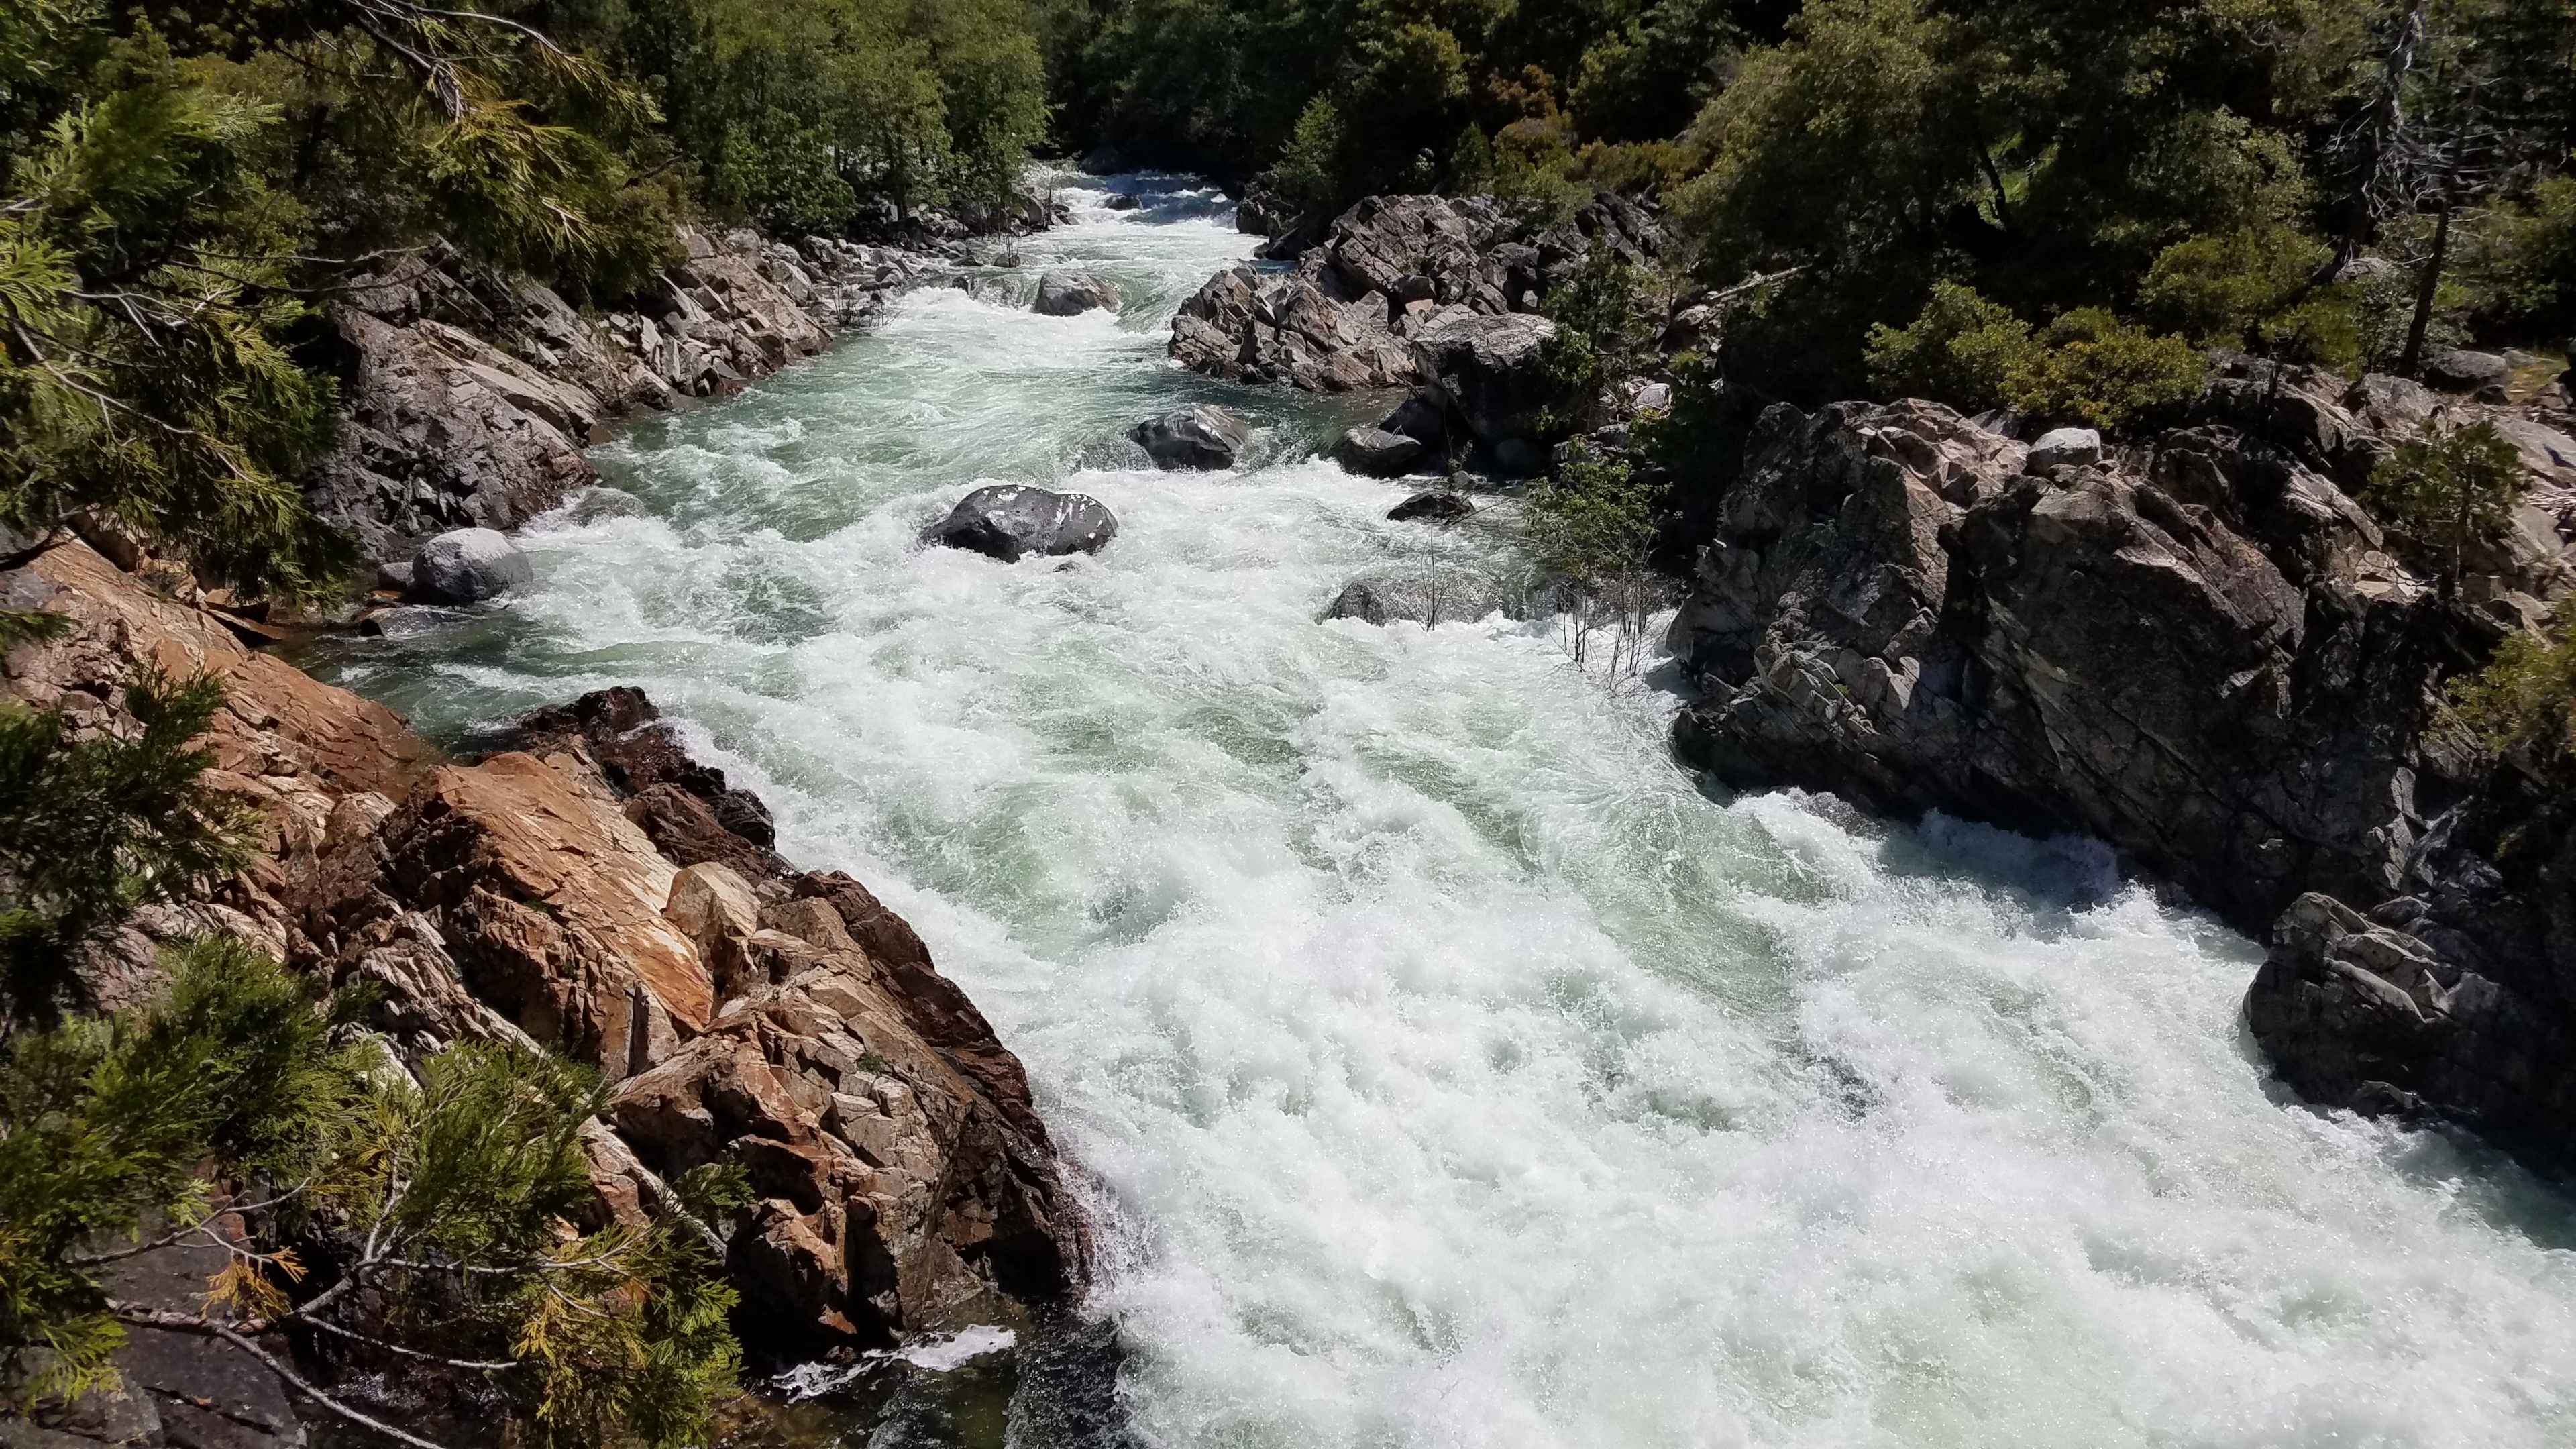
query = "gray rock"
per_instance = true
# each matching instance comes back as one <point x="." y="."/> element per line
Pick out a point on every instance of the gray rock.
<point x="1425" y="594"/>
<point x="1377" y="453"/>
<point x="2460" y="370"/>
<point x="1201" y="435"/>
<point x="394" y="576"/>
<point x="1123" y="201"/>
<point x="2063" y="446"/>
<point x="1436" y="505"/>
<point x="1010" y="521"/>
<point x="1070" y="294"/>
<point x="1490" y="369"/>
<point x="1263" y="212"/>
<point x="467" y="566"/>
<point x="1423" y="417"/>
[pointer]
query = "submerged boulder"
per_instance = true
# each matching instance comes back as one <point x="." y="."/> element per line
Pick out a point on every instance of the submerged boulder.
<point x="1199" y="436"/>
<point x="1436" y="505"/>
<point x="1377" y="453"/>
<point x="1010" y="521"/>
<point x="1070" y="294"/>
<point x="1425" y="594"/>
<point x="467" y="566"/>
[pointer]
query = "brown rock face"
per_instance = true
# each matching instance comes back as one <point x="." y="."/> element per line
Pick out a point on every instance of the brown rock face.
<point x="2201" y="652"/>
<point x="788" y="1023"/>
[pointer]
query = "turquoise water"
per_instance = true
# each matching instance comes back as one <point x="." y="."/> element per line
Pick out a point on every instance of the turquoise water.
<point x="1449" y="1068"/>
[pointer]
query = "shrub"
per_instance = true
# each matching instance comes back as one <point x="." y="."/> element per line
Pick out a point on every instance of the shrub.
<point x="2446" y="492"/>
<point x="2526" y="696"/>
<point x="1594" y="523"/>
<point x="2094" y="368"/>
<point x="2225" y="288"/>
<point x="1961" y="349"/>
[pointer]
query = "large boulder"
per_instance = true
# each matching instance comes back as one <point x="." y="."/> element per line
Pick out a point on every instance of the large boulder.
<point x="2460" y="370"/>
<point x="1377" y="453"/>
<point x="1424" y="594"/>
<point x="1491" y="369"/>
<point x="467" y="566"/>
<point x="1070" y="294"/>
<point x="1202" y="435"/>
<point x="1010" y="521"/>
<point x="2064" y="446"/>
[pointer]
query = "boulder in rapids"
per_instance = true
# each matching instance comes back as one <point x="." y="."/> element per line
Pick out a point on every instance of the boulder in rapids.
<point x="1070" y="294"/>
<point x="1436" y="505"/>
<point x="1377" y="453"/>
<point x="1424" y="594"/>
<point x="1010" y="521"/>
<point x="1491" y="368"/>
<point x="1202" y="435"/>
<point x="467" y="566"/>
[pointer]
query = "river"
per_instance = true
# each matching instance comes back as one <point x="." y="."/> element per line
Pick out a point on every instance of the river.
<point x="1454" y="1069"/>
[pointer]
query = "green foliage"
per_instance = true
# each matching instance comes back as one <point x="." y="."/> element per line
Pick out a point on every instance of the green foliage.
<point x="444" y="1197"/>
<point x="2086" y="366"/>
<point x="2226" y="289"/>
<point x="1593" y="520"/>
<point x="1608" y="313"/>
<point x="1310" y="166"/>
<point x="89" y="828"/>
<point x="2526" y="696"/>
<point x="2448" y="492"/>
<point x="2091" y="367"/>
<point x="104" y="1122"/>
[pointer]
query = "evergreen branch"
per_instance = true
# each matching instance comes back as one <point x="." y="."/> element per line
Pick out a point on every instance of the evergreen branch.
<point x="188" y="1323"/>
<point x="475" y="1365"/>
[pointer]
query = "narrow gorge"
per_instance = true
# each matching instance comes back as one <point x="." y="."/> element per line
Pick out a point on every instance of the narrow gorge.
<point x="1387" y="1034"/>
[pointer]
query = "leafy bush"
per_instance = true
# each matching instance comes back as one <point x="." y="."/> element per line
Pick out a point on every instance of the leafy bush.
<point x="1960" y="349"/>
<point x="2225" y="288"/>
<point x="2446" y="492"/>
<point x="2526" y="696"/>
<point x="440" y="1202"/>
<point x="1594" y="524"/>
<point x="2086" y="366"/>
<point x="90" y="828"/>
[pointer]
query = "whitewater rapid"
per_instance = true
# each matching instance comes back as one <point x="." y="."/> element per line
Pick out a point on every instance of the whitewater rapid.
<point x="1452" y="1068"/>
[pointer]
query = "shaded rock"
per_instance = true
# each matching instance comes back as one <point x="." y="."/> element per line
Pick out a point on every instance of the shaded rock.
<point x="1010" y="521"/>
<point x="2460" y="370"/>
<point x="1069" y="294"/>
<point x="1518" y="458"/>
<point x="467" y="566"/>
<point x="1123" y="201"/>
<point x="1436" y="506"/>
<point x="1263" y="212"/>
<point x="1377" y="453"/>
<point x="1199" y="436"/>
<point x="1489" y="368"/>
<point x="1423" y="594"/>
<point x="2064" y="446"/>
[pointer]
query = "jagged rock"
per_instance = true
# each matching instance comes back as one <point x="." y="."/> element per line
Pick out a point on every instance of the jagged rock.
<point x="1123" y="201"/>
<point x="1070" y="294"/>
<point x="2214" y="665"/>
<point x="466" y="399"/>
<point x="1425" y="594"/>
<point x="1436" y="505"/>
<point x="1342" y="320"/>
<point x="1263" y="212"/>
<point x="1377" y="453"/>
<point x="1009" y="521"/>
<point x="1491" y="369"/>
<point x="2062" y="447"/>
<point x="1199" y="436"/>
<point x="788" y="1023"/>
<point x="2460" y="370"/>
<point x="467" y="566"/>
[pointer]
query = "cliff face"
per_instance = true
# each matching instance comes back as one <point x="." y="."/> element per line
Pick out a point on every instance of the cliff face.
<point x="2201" y="651"/>
<point x="597" y="893"/>
<point x="467" y="400"/>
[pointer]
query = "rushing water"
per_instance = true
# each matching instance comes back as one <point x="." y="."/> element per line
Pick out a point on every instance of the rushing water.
<point x="1454" y="1071"/>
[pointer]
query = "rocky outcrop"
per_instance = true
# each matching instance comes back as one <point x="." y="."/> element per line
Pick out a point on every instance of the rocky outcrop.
<point x="1010" y="521"/>
<point x="594" y="891"/>
<point x="2200" y="650"/>
<point x="467" y="401"/>
<point x="1387" y="269"/>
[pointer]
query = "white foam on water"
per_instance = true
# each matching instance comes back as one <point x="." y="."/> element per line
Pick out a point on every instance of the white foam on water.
<point x="1457" y="1073"/>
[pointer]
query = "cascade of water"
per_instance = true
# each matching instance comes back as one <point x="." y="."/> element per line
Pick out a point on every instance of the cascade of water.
<point x="1455" y="1071"/>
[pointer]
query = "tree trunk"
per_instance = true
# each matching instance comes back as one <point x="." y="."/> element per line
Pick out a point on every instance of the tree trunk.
<point x="2425" y="290"/>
